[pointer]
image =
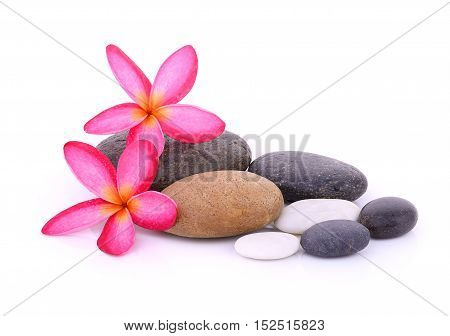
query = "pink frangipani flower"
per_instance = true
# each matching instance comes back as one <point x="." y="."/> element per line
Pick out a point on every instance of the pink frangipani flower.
<point x="123" y="197"/>
<point x="155" y="109"/>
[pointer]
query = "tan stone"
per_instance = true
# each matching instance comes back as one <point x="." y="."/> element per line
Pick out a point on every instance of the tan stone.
<point x="223" y="204"/>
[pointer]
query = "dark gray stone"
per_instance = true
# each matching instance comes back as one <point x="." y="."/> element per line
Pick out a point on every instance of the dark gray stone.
<point x="179" y="160"/>
<point x="388" y="217"/>
<point x="335" y="238"/>
<point x="113" y="147"/>
<point x="302" y="175"/>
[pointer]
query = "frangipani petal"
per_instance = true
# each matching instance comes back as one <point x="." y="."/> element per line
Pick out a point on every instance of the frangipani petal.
<point x="116" y="119"/>
<point x="153" y="210"/>
<point x="149" y="130"/>
<point x="93" y="169"/>
<point x="175" y="77"/>
<point x="136" y="169"/>
<point x="129" y="76"/>
<point x="118" y="234"/>
<point x="189" y="123"/>
<point x="80" y="216"/>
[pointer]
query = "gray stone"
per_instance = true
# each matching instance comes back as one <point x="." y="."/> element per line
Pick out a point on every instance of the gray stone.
<point x="335" y="238"/>
<point x="179" y="160"/>
<point x="388" y="217"/>
<point x="302" y="175"/>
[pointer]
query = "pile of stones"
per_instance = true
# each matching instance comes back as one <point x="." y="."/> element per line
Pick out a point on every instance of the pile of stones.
<point x="220" y="192"/>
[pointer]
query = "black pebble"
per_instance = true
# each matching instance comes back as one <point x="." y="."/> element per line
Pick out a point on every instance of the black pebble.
<point x="335" y="238"/>
<point x="301" y="175"/>
<point x="389" y="217"/>
<point x="179" y="160"/>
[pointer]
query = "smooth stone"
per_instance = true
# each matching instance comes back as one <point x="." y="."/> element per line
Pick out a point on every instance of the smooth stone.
<point x="389" y="217"/>
<point x="267" y="245"/>
<point x="302" y="175"/>
<point x="223" y="204"/>
<point x="299" y="216"/>
<point x="179" y="160"/>
<point x="335" y="238"/>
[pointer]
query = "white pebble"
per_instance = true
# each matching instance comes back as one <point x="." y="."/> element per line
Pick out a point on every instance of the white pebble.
<point x="267" y="245"/>
<point x="299" y="216"/>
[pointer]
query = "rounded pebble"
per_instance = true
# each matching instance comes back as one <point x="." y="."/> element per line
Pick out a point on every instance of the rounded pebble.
<point x="389" y="217"/>
<point x="335" y="238"/>
<point x="267" y="245"/>
<point x="299" y="216"/>
<point x="178" y="160"/>
<point x="302" y="175"/>
<point x="223" y="204"/>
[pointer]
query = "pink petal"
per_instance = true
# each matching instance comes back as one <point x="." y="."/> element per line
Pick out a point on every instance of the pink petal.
<point x="118" y="234"/>
<point x="175" y="77"/>
<point x="153" y="210"/>
<point x="80" y="216"/>
<point x="149" y="130"/>
<point x="136" y="169"/>
<point x="93" y="169"/>
<point x="188" y="123"/>
<point x="116" y="119"/>
<point x="129" y="76"/>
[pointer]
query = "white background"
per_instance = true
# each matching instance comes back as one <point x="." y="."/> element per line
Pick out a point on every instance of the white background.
<point x="258" y="61"/>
